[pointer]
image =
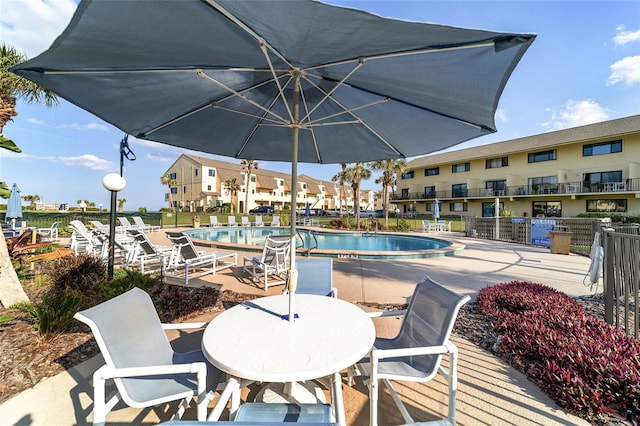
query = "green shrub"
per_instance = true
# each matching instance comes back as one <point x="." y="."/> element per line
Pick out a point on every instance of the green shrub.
<point x="83" y="274"/>
<point x="129" y="280"/>
<point x="403" y="225"/>
<point x="54" y="313"/>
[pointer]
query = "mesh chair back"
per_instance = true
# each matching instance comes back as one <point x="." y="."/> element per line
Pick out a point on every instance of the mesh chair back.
<point x="429" y="321"/>
<point x="315" y="276"/>
<point x="143" y="242"/>
<point x="276" y="251"/>
<point x="183" y="242"/>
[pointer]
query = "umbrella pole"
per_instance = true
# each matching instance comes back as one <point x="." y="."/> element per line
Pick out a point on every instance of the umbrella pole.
<point x="293" y="273"/>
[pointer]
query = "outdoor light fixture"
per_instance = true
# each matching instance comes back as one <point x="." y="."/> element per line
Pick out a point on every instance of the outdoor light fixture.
<point x="100" y="207"/>
<point x="397" y="218"/>
<point x="83" y="207"/>
<point x="113" y="182"/>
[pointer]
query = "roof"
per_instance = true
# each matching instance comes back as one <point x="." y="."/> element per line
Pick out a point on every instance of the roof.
<point x="603" y="130"/>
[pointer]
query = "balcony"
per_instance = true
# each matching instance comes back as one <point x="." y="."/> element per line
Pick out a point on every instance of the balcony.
<point x="565" y="188"/>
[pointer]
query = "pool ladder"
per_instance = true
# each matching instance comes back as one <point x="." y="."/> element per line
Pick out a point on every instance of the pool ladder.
<point x="308" y="239"/>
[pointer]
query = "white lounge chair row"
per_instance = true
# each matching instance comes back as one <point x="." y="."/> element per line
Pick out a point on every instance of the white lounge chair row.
<point x="244" y="221"/>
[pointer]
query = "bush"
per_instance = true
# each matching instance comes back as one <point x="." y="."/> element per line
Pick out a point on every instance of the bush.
<point x="54" y="313"/>
<point x="584" y="364"/>
<point x="84" y="274"/>
<point x="173" y="302"/>
<point x="126" y="282"/>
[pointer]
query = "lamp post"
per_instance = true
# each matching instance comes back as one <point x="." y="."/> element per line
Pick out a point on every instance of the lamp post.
<point x="112" y="182"/>
<point x="82" y="206"/>
<point x="397" y="219"/>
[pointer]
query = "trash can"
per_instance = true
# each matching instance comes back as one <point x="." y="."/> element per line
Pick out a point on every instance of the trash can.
<point x="560" y="239"/>
<point x="195" y="222"/>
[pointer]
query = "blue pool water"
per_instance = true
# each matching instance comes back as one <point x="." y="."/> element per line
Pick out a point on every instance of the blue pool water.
<point x="346" y="242"/>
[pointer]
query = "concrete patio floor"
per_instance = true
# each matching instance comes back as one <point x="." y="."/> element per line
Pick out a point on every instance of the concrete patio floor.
<point x="490" y="392"/>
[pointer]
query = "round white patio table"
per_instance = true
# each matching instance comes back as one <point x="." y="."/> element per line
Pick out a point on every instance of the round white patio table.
<point x="251" y="340"/>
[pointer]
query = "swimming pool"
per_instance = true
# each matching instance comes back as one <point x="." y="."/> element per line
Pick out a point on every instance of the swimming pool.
<point x="330" y="244"/>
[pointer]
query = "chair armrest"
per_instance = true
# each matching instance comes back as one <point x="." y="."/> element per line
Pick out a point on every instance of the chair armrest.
<point x="106" y="372"/>
<point x="184" y="325"/>
<point x="379" y="314"/>
<point x="402" y="352"/>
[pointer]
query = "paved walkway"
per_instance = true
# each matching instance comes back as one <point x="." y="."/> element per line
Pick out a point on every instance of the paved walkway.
<point x="490" y="391"/>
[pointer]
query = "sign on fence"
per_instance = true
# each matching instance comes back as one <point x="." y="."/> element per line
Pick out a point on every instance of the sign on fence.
<point x="540" y="231"/>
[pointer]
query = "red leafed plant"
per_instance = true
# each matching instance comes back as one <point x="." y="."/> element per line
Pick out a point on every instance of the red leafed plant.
<point x="584" y="364"/>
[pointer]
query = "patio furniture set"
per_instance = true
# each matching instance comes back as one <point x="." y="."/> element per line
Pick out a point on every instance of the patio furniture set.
<point x="436" y="226"/>
<point x="244" y="221"/>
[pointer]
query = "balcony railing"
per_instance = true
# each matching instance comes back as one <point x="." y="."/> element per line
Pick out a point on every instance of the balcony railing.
<point x="565" y="188"/>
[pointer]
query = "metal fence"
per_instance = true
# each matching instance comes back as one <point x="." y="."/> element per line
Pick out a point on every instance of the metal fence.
<point x="622" y="278"/>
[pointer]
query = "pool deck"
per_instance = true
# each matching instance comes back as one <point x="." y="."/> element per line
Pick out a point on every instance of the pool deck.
<point x="490" y="392"/>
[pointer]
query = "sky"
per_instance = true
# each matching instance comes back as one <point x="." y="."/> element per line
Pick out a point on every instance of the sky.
<point x="583" y="68"/>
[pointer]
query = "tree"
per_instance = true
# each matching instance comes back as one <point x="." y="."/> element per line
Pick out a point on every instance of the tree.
<point x="356" y="174"/>
<point x="169" y="181"/>
<point x="13" y="87"/>
<point x="32" y="199"/>
<point x="121" y="202"/>
<point x="390" y="169"/>
<point x="232" y="187"/>
<point x="248" y="165"/>
<point x="341" y="177"/>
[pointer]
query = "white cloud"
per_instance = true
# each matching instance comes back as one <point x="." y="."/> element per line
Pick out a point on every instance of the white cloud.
<point x="576" y="113"/>
<point x="35" y="121"/>
<point x="160" y="157"/>
<point x="501" y="115"/>
<point x="625" y="71"/>
<point x="31" y="26"/>
<point x="90" y="126"/>
<point x="624" y="37"/>
<point x="88" y="161"/>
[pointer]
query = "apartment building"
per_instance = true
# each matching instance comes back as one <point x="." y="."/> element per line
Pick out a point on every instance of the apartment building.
<point x="592" y="168"/>
<point x="198" y="185"/>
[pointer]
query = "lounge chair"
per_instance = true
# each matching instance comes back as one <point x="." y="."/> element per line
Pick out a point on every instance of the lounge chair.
<point x="244" y="221"/>
<point x="315" y="276"/>
<point x="148" y="256"/>
<point x="83" y="241"/>
<point x="428" y="226"/>
<point x="139" y="223"/>
<point x="125" y="225"/>
<point x="139" y="359"/>
<point x="49" y="234"/>
<point x="231" y="221"/>
<point x="259" y="221"/>
<point x="186" y="262"/>
<point x="271" y="267"/>
<point x="415" y="354"/>
<point x="213" y="221"/>
<point x="275" y="221"/>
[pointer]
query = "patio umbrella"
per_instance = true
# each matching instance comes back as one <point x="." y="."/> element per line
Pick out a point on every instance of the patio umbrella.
<point x="307" y="210"/>
<point x="436" y="209"/>
<point x="279" y="80"/>
<point x="14" y="205"/>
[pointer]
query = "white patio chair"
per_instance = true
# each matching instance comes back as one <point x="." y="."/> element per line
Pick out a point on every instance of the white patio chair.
<point x="427" y="226"/>
<point x="139" y="223"/>
<point x="275" y="221"/>
<point x="82" y="241"/>
<point x="415" y="354"/>
<point x="444" y="226"/>
<point x="259" y="221"/>
<point x="49" y="234"/>
<point x="231" y="221"/>
<point x="148" y="256"/>
<point x="125" y="225"/>
<point x="187" y="262"/>
<point x="271" y="267"/>
<point x="315" y="276"/>
<point x="140" y="360"/>
<point x="99" y="225"/>
<point x="213" y="221"/>
<point x="260" y="412"/>
<point x="244" y="221"/>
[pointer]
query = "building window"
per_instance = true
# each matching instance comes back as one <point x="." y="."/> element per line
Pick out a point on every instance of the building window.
<point x="173" y="175"/>
<point x="458" y="207"/>
<point x="405" y="193"/>
<point x="601" y="148"/>
<point x="408" y="175"/>
<point x="195" y="171"/>
<point x="537" y="157"/>
<point x="212" y="172"/>
<point x="459" y="190"/>
<point x="429" y="192"/>
<point x="434" y="171"/>
<point x="495" y="188"/>
<point x="253" y="179"/>
<point x="208" y="187"/>
<point x="494" y="163"/>
<point x="488" y="209"/>
<point x="598" y="181"/>
<point x="174" y="190"/>
<point x="459" y="168"/>
<point x="547" y="208"/>
<point x="606" y="206"/>
<point x="280" y="183"/>
<point x="184" y="189"/>
<point x="543" y="185"/>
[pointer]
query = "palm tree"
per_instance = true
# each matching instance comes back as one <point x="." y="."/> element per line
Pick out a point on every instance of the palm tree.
<point x="13" y="87"/>
<point x="341" y="177"/>
<point x="121" y="202"/>
<point x="232" y="187"/>
<point x="32" y="199"/>
<point x="248" y="165"/>
<point x="169" y="181"/>
<point x="356" y="174"/>
<point x="390" y="169"/>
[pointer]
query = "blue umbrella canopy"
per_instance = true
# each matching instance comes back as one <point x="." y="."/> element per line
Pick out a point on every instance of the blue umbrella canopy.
<point x="14" y="205"/>
<point x="279" y="80"/>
